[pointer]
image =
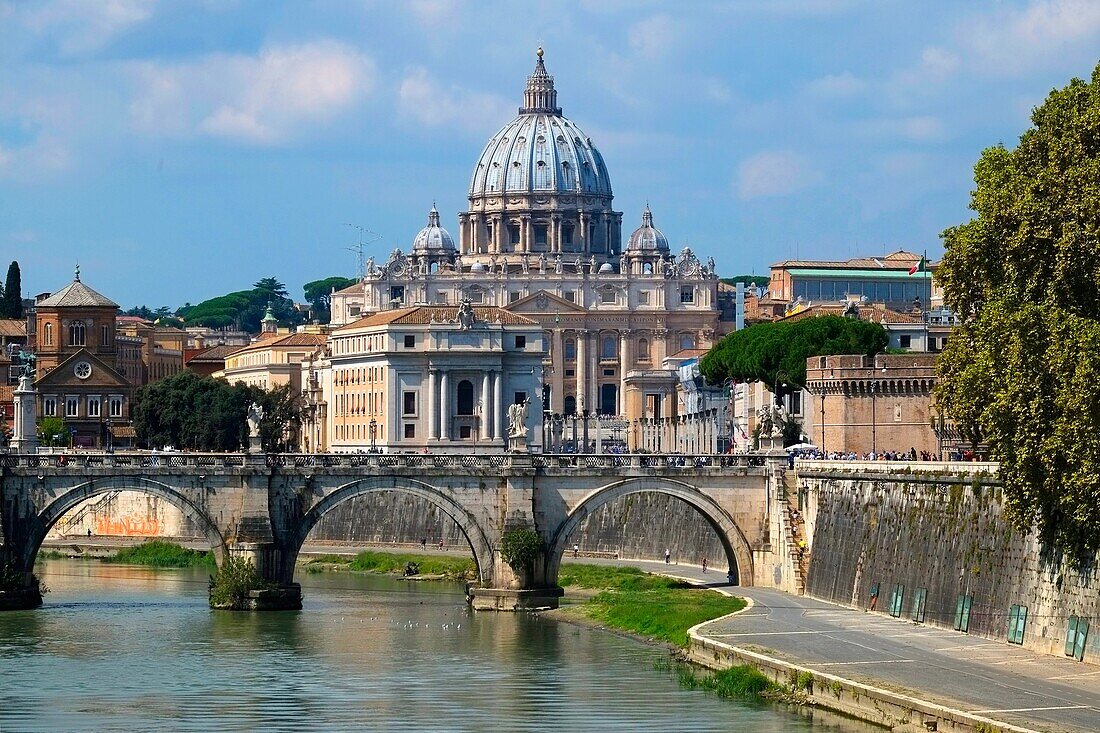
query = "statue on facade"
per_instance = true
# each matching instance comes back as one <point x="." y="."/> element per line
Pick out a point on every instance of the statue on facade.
<point x="465" y="317"/>
<point x="765" y="421"/>
<point x="504" y="266"/>
<point x="517" y="420"/>
<point x="525" y="264"/>
<point x="710" y="265"/>
<point x="558" y="265"/>
<point x="579" y="264"/>
<point x="492" y="264"/>
<point x="255" y="415"/>
<point x="622" y="264"/>
<point x="593" y="267"/>
<point x="668" y="267"/>
<point x="27" y="361"/>
<point x="423" y="262"/>
<point x="779" y="420"/>
<point x="542" y="263"/>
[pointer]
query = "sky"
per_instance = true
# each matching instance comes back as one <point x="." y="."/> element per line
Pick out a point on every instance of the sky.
<point x="181" y="150"/>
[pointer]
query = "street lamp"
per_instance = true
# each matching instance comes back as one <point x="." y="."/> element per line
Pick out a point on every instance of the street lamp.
<point x="874" y="420"/>
<point x="110" y="437"/>
<point x="373" y="433"/>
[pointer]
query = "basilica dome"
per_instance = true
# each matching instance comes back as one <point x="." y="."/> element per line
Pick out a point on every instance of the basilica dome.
<point x="433" y="239"/>
<point x="647" y="238"/>
<point x="540" y="151"/>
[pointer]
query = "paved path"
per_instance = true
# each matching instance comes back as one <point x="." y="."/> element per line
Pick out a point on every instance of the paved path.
<point x="976" y="675"/>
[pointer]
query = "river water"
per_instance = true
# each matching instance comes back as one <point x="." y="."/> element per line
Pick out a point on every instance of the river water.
<point x="121" y="648"/>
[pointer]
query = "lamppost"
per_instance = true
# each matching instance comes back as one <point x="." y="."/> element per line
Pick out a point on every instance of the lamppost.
<point x="373" y="425"/>
<point x="110" y="437"/>
<point x="874" y="420"/>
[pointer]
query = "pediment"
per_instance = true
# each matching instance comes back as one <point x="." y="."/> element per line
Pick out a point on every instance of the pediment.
<point x="544" y="302"/>
<point x="64" y="375"/>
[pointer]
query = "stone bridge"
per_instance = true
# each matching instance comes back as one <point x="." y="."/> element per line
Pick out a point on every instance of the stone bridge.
<point x="263" y="507"/>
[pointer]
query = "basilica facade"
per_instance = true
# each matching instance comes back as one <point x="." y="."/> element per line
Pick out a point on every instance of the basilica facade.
<point x="541" y="239"/>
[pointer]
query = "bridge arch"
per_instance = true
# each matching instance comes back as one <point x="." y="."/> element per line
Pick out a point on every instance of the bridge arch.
<point x="69" y="498"/>
<point x="738" y="551"/>
<point x="467" y="524"/>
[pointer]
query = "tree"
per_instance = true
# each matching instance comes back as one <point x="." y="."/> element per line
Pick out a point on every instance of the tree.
<point x="52" y="432"/>
<point x="760" y="281"/>
<point x="317" y="294"/>
<point x="775" y="353"/>
<point x="282" y="417"/>
<point x="271" y="285"/>
<point x="1022" y="371"/>
<point x="12" y="304"/>
<point x="192" y="412"/>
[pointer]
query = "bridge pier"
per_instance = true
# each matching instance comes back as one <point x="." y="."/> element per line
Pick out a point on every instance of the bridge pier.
<point x="269" y="560"/>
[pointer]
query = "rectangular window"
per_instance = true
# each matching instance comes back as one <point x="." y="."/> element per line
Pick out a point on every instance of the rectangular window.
<point x="1017" y="622"/>
<point x="905" y="341"/>
<point x="521" y="342"/>
<point x="687" y="294"/>
<point x="513" y="296"/>
<point x="609" y="372"/>
<point x="464" y="432"/>
<point x="105" y="335"/>
<point x="540" y="235"/>
<point x="477" y="296"/>
<point x="410" y="430"/>
<point x="441" y="298"/>
<point x="570" y="372"/>
<point x="72" y="406"/>
<point x="408" y="406"/>
<point x="397" y="294"/>
<point x="607" y="295"/>
<point x="513" y="233"/>
<point x="919" y="597"/>
<point x="1076" y="636"/>
<point x="962" y="613"/>
<point x="116" y="407"/>
<point x="93" y="407"/>
<point x="643" y="297"/>
<point x="570" y="295"/>
<point x="410" y="341"/>
<point x="794" y="403"/>
<point x="49" y="407"/>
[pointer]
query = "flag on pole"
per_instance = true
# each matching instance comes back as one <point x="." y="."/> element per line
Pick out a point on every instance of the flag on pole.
<point x="921" y="266"/>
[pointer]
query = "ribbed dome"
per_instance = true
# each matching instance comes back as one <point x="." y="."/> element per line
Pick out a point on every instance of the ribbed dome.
<point x="539" y="150"/>
<point x="647" y="238"/>
<point x="433" y="238"/>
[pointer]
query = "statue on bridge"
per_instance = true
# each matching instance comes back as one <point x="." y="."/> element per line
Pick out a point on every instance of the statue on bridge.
<point x="255" y="416"/>
<point x="517" y="420"/>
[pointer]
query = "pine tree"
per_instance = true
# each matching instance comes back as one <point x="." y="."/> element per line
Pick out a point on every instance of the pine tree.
<point x="12" y="304"/>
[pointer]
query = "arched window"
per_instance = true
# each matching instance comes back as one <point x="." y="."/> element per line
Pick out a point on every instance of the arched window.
<point x="608" y="348"/>
<point x="47" y="334"/>
<point x="570" y="350"/>
<point x="77" y="334"/>
<point x="465" y="398"/>
<point x="570" y="405"/>
<point x="643" y="349"/>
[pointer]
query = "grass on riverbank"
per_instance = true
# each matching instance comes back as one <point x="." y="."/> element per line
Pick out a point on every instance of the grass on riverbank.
<point x="160" y="554"/>
<point x="462" y="568"/>
<point x="650" y="605"/>
<point x="741" y="682"/>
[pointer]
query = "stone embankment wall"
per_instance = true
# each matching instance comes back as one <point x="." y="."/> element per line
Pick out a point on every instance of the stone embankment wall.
<point x="638" y="526"/>
<point x="938" y="528"/>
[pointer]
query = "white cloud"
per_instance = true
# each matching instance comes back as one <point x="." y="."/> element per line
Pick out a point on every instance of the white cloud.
<point x="82" y="26"/>
<point x="265" y="99"/>
<point x="1044" y="31"/>
<point x="651" y="37"/>
<point x="426" y="101"/>
<point x="918" y="128"/>
<point x="837" y="85"/>
<point x="435" y="12"/>
<point x="774" y="173"/>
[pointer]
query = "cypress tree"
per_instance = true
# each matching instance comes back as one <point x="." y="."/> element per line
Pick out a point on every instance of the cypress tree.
<point x="13" y="293"/>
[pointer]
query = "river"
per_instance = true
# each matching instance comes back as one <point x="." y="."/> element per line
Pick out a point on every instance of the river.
<point x="122" y="648"/>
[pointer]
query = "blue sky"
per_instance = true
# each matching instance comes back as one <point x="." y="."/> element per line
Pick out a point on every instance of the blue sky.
<point x="179" y="150"/>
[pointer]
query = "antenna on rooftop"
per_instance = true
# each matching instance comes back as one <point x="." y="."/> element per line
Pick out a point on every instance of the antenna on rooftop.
<point x="372" y="237"/>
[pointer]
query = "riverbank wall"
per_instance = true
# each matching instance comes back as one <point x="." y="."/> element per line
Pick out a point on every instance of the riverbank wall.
<point x="930" y="543"/>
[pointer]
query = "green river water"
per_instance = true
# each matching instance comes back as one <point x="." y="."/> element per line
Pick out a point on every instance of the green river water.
<point x="122" y="648"/>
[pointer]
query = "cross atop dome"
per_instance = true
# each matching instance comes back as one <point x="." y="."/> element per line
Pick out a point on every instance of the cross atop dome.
<point x="540" y="95"/>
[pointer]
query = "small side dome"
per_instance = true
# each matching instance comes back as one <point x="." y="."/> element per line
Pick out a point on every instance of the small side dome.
<point x="433" y="239"/>
<point x="477" y="267"/>
<point x="647" y="238"/>
<point x="606" y="268"/>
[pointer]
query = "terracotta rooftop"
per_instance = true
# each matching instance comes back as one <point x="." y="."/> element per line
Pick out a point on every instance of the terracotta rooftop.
<point x="214" y="354"/>
<point x="422" y="315"/>
<point x="899" y="260"/>
<point x="873" y="312"/>
<point x="13" y="328"/>
<point x="283" y="340"/>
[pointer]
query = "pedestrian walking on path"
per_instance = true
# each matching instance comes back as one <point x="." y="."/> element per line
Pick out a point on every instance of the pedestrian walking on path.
<point x="704" y="563"/>
<point x="668" y="556"/>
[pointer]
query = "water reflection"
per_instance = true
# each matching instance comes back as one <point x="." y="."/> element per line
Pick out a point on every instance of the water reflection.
<point x="123" y="648"/>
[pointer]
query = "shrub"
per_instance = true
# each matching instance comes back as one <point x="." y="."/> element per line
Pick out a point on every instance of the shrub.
<point x="233" y="582"/>
<point x="520" y="548"/>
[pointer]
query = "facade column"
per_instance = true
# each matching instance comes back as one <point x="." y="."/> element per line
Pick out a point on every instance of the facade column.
<point x="582" y="367"/>
<point x="594" y="374"/>
<point x="584" y="231"/>
<point x="444" y="406"/>
<point x="525" y="236"/>
<point x="498" y="405"/>
<point x="486" y="408"/>
<point x="626" y="357"/>
<point x="433" y="401"/>
<point x="557" y="381"/>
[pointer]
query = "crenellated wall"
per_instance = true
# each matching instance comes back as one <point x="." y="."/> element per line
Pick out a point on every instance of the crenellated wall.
<point x="938" y="527"/>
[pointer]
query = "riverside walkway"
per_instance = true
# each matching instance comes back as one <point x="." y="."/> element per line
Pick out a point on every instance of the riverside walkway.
<point x="979" y="676"/>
